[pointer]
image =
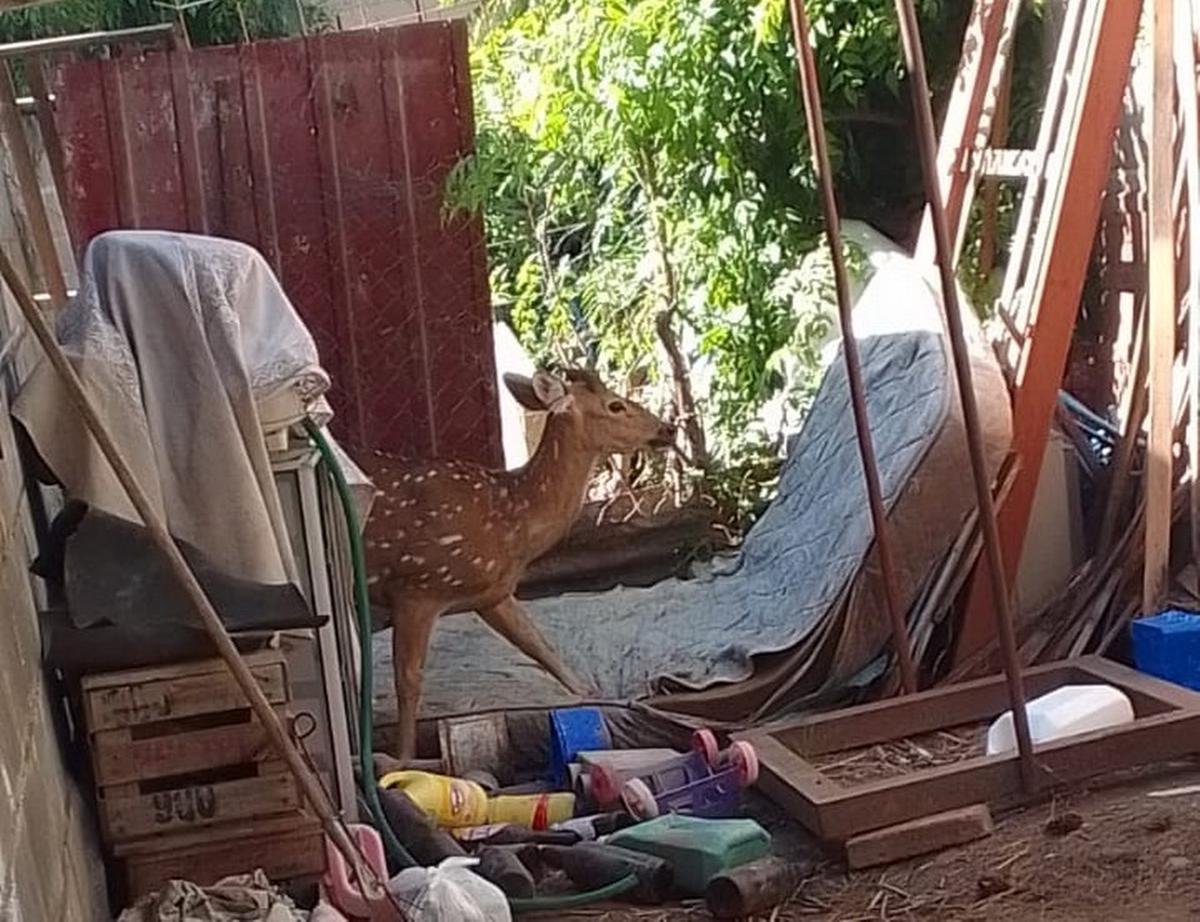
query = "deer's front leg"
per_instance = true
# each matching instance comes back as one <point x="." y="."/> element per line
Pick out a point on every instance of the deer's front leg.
<point x="412" y="626"/>
<point x="510" y="620"/>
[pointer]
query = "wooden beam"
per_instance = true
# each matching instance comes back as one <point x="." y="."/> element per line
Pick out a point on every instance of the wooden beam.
<point x="918" y="837"/>
<point x="966" y="127"/>
<point x="1103" y="71"/>
<point x="991" y="186"/>
<point x="1122" y="463"/>
<point x="1162" y="307"/>
<point x="156" y="33"/>
<point x="35" y="75"/>
<point x="17" y="143"/>
<point x="1185" y="76"/>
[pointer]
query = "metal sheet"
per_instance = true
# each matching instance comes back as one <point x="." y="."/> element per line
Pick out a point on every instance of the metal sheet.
<point x="330" y="155"/>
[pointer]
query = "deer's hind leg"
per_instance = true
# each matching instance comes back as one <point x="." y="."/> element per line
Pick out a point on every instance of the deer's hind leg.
<point x="510" y="620"/>
<point x="412" y="626"/>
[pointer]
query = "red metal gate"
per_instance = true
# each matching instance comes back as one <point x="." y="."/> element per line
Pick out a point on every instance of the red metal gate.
<point x="329" y="154"/>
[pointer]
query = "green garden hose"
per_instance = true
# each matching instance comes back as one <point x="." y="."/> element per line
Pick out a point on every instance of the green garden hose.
<point x="397" y="853"/>
<point x="574" y="900"/>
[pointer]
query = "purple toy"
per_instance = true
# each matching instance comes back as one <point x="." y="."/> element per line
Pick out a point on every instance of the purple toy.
<point x="704" y="782"/>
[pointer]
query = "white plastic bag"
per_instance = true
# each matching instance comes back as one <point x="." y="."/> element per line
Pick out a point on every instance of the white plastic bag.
<point x="451" y="892"/>
<point x="324" y="912"/>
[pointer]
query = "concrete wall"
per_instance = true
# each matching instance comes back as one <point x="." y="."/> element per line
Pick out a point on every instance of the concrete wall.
<point x="49" y="864"/>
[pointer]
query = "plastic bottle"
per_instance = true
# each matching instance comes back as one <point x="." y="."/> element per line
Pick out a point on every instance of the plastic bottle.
<point x="537" y="811"/>
<point x="1065" y="711"/>
<point x="590" y="828"/>
<point x="451" y="802"/>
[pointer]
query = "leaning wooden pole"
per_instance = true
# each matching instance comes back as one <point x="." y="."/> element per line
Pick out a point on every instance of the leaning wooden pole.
<point x="1186" y="63"/>
<point x="1161" y="305"/>
<point x="309" y="784"/>
<point x="811" y="90"/>
<point x="914" y="57"/>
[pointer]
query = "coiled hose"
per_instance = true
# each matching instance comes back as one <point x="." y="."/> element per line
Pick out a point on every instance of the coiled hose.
<point x="398" y="855"/>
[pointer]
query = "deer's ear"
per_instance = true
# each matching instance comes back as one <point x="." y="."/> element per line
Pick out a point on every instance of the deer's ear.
<point x="521" y="388"/>
<point x="549" y="389"/>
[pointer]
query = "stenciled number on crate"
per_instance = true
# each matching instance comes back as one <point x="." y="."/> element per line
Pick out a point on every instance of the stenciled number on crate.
<point x="187" y="805"/>
<point x="136" y="705"/>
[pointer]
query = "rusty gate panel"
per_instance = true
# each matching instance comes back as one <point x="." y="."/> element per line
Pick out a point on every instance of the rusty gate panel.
<point x="329" y="154"/>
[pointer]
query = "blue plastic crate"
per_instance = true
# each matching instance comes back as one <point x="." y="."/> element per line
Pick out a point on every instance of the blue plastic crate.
<point x="572" y="731"/>
<point x="1167" y="645"/>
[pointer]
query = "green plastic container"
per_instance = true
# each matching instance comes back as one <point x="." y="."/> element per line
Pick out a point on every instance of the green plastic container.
<point x="698" y="849"/>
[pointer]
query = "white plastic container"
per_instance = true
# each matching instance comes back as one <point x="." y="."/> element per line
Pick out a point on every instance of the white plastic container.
<point x="1063" y="712"/>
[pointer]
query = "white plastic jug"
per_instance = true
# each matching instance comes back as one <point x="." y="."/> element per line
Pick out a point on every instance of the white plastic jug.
<point x="1063" y="712"/>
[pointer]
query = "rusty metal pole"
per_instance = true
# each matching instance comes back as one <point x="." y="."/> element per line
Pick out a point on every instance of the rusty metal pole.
<point x="811" y="90"/>
<point x="914" y="57"/>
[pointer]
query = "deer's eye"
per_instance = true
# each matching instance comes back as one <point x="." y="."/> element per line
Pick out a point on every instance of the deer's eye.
<point x="616" y="407"/>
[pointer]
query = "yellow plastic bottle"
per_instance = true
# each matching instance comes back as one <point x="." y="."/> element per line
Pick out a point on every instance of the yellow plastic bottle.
<point x="536" y="811"/>
<point x="451" y="802"/>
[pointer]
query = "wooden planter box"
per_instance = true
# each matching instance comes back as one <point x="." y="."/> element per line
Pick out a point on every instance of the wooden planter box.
<point x="1166" y="726"/>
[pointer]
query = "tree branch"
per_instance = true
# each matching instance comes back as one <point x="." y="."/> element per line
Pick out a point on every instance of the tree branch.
<point x="685" y="401"/>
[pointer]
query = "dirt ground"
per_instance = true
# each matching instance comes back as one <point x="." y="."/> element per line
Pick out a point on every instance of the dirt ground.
<point x="1104" y="853"/>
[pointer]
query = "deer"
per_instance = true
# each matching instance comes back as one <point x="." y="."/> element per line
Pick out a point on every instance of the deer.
<point x="449" y="537"/>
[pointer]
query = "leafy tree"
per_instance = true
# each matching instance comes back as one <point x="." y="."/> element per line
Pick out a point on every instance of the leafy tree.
<point x="211" y="23"/>
<point x="643" y="173"/>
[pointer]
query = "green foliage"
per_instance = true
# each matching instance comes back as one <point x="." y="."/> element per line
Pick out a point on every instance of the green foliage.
<point x="636" y="156"/>
<point x="215" y="22"/>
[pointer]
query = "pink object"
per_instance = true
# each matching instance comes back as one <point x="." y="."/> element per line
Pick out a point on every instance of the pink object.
<point x="344" y="892"/>
<point x="704" y="782"/>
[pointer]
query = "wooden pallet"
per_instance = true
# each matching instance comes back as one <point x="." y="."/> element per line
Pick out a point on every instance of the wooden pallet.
<point x="177" y="748"/>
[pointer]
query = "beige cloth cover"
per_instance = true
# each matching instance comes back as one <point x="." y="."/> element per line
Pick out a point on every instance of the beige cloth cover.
<point x="178" y="340"/>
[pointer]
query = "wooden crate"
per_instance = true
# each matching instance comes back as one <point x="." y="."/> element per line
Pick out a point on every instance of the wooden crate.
<point x="136" y="810"/>
<point x="284" y="848"/>
<point x="132" y="697"/>
<point x="177" y="748"/>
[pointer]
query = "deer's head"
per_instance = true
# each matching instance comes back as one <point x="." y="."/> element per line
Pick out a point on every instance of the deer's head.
<point x="606" y="422"/>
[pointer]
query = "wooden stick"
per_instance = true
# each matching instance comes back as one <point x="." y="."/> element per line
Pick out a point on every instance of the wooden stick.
<point x="811" y="91"/>
<point x="991" y="187"/>
<point x="313" y="791"/>
<point x="17" y="143"/>
<point x="1185" y="70"/>
<point x="1118" y="482"/>
<point x="914" y="59"/>
<point x="1162" y="307"/>
<point x="35" y="74"/>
